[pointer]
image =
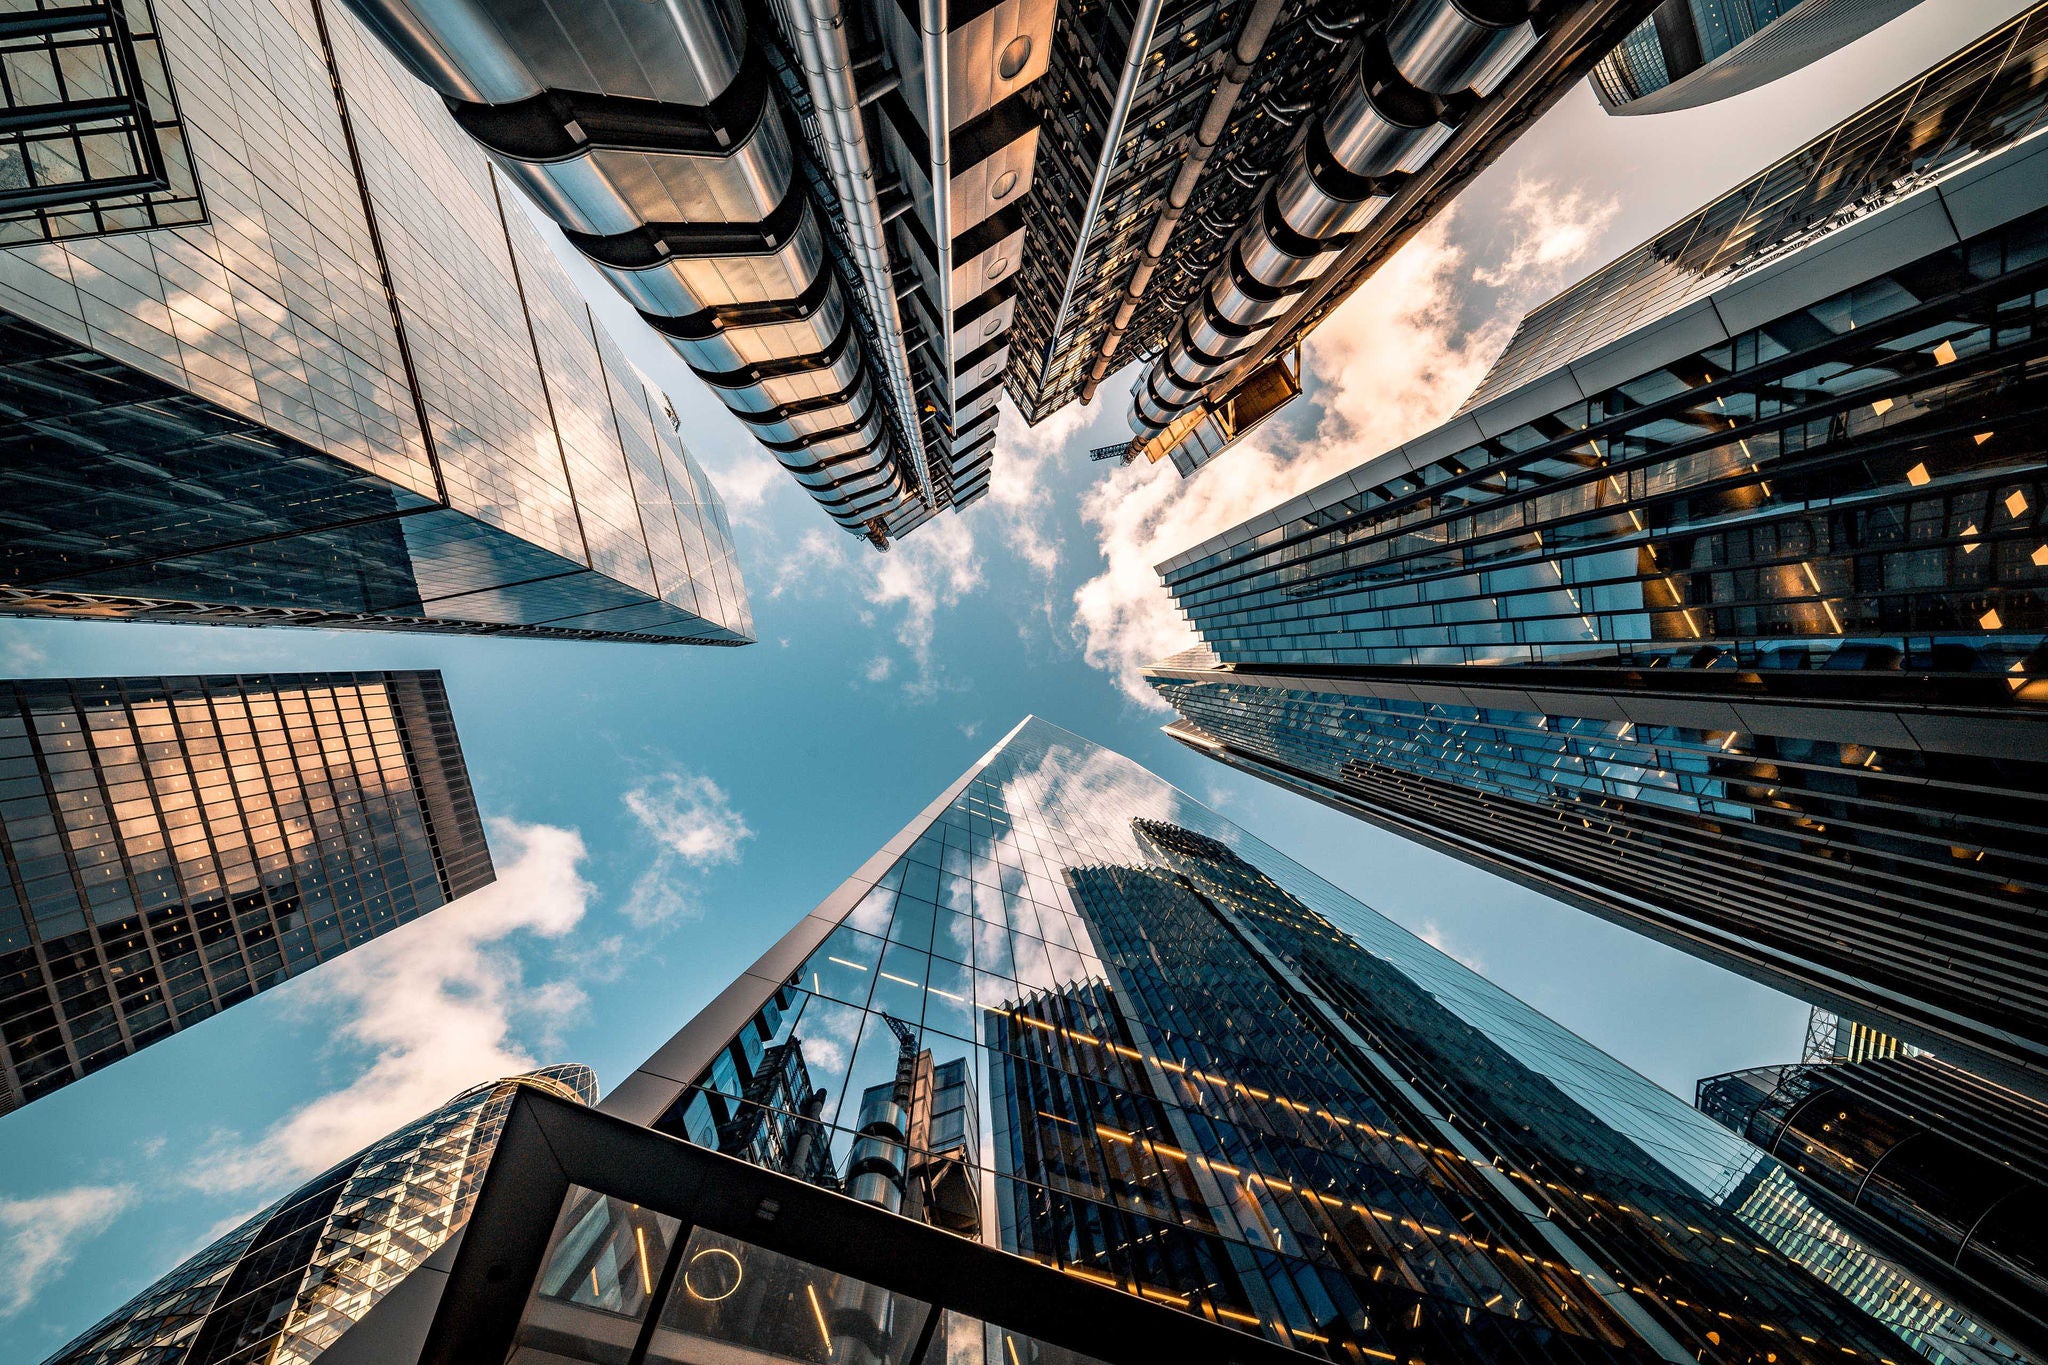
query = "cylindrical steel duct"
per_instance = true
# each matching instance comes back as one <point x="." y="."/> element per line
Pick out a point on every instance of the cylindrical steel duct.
<point x="652" y="135"/>
<point x="1388" y="118"/>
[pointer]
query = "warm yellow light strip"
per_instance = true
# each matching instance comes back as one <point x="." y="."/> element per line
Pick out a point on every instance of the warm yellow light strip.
<point x="824" y="1332"/>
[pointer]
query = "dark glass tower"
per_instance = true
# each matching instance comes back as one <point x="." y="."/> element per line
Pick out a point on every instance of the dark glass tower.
<point x="1191" y="1071"/>
<point x="1693" y="52"/>
<point x="285" y="1285"/>
<point x="1719" y="611"/>
<point x="175" y="845"/>
<point x="1943" y="1168"/>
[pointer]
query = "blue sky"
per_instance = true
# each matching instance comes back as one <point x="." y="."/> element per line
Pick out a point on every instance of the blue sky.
<point x="661" y="815"/>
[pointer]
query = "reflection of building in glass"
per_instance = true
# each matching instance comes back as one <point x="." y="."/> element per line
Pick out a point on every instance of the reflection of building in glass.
<point x="174" y="845"/>
<point x="1945" y="1169"/>
<point x="1693" y="52"/>
<point x="1206" y="1077"/>
<point x="1721" y="612"/>
<point x="360" y="391"/>
<point x="282" y="1287"/>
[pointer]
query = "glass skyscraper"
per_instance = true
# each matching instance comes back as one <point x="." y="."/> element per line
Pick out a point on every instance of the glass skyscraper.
<point x="174" y="845"/>
<point x="285" y="1284"/>
<point x="1720" y="609"/>
<point x="279" y="345"/>
<point x="1693" y="52"/>
<point x="1945" y="1169"/>
<point x="1190" y="1071"/>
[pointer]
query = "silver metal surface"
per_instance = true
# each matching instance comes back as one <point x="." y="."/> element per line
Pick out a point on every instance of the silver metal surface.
<point x="1112" y="138"/>
<point x="819" y="28"/>
<point x="1251" y="43"/>
<point x="1436" y="47"/>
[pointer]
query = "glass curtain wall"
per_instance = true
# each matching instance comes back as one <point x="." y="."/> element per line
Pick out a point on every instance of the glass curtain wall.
<point x="1202" y="1075"/>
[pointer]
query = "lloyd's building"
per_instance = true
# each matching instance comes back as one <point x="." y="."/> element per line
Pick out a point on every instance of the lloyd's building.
<point x="1718" y="611"/>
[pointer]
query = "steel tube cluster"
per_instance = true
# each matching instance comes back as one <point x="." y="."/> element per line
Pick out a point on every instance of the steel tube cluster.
<point x="651" y="134"/>
<point x="1244" y="57"/>
<point x="1392" y="112"/>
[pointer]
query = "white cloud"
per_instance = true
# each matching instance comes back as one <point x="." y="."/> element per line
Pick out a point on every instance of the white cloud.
<point x="934" y="567"/>
<point x="1432" y="933"/>
<point x="744" y="486"/>
<point x="440" y="1003"/>
<point x="22" y="656"/>
<point x="1553" y="230"/>
<point x="1018" y="493"/>
<point x="1392" y="362"/>
<point x="40" y="1235"/>
<point x="969" y="729"/>
<point x="821" y="557"/>
<point x="879" y="668"/>
<point x="694" y="826"/>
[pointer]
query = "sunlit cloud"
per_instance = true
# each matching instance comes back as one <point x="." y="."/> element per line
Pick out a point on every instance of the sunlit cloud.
<point x="694" y="826"/>
<point x="439" y="1005"/>
<point x="40" y="1235"/>
<point x="935" y="567"/>
<point x="1395" y="360"/>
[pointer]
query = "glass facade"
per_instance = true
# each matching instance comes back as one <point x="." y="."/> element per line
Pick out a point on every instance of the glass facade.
<point x="279" y="1289"/>
<point x="1955" y="115"/>
<point x="1192" y="1071"/>
<point x="90" y="139"/>
<point x="363" y="393"/>
<point x="1946" y="1167"/>
<point x="1741" y="646"/>
<point x="174" y="845"/>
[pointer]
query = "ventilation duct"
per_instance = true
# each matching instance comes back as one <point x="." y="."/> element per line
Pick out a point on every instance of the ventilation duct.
<point x="1392" y="111"/>
<point x="652" y="135"/>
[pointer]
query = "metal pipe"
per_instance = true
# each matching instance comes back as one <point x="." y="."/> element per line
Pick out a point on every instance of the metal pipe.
<point x="820" y="30"/>
<point x="1119" y="112"/>
<point x="938" y="109"/>
<point x="1375" y="128"/>
<point x="1250" y="46"/>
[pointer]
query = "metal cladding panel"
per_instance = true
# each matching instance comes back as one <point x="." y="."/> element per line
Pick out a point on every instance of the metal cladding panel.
<point x="994" y="182"/>
<point x="986" y="269"/>
<point x="985" y="327"/>
<point x="1884" y="241"/>
<point x="995" y="54"/>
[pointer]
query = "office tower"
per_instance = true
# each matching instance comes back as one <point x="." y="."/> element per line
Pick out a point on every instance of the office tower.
<point x="279" y="346"/>
<point x="283" y="1286"/>
<point x="1719" y="609"/>
<point x="1693" y="52"/>
<point x="1946" y="1170"/>
<point x="1203" y="1077"/>
<point x="175" y="845"/>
